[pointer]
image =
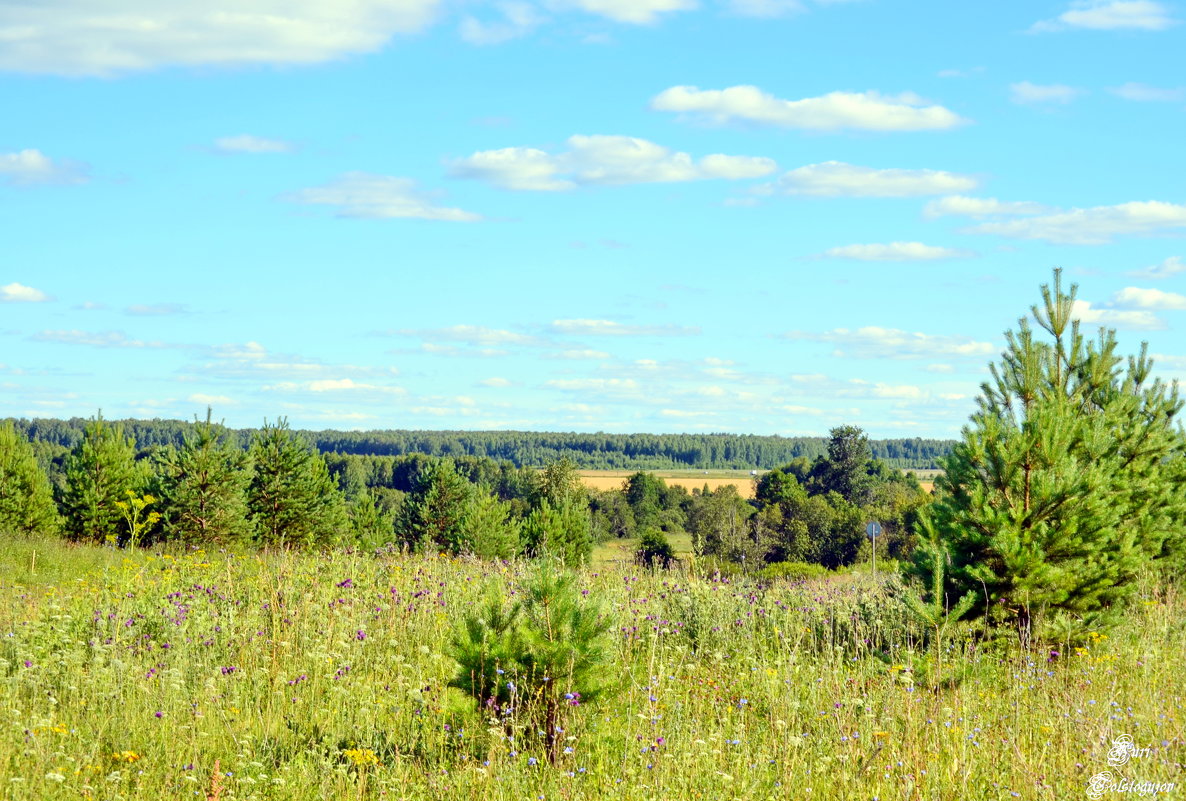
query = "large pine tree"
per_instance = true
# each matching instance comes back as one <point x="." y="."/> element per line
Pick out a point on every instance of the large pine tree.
<point x="1069" y="477"/>
<point x="293" y="499"/>
<point x="26" y="500"/>
<point x="100" y="472"/>
<point x="203" y="487"/>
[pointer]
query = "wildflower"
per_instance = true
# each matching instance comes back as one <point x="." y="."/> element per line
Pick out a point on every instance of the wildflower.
<point x="361" y="757"/>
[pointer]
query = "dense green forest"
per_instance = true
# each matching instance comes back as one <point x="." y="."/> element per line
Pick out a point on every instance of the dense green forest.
<point x="531" y="448"/>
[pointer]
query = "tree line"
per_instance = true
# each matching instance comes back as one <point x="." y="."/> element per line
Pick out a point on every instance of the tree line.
<point x="526" y="448"/>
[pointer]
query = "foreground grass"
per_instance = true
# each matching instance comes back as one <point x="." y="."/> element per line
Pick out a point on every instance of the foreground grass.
<point x="285" y="676"/>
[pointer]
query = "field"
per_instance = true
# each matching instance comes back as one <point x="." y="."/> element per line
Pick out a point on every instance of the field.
<point x="175" y="674"/>
<point x="689" y="479"/>
<point x="696" y="479"/>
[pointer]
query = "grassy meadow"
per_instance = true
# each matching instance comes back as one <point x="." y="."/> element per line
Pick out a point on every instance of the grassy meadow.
<point x="186" y="674"/>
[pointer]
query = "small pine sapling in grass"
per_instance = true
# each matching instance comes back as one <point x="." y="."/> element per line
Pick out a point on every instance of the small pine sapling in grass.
<point x="930" y="607"/>
<point x="536" y="661"/>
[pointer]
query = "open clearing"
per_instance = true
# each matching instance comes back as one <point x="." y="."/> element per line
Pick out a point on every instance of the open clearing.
<point x="696" y="479"/>
<point x="689" y="479"/>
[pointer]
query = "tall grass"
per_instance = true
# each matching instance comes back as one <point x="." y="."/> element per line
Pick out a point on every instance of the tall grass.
<point x="190" y="674"/>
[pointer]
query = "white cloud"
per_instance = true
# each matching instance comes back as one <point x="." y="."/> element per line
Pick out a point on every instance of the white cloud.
<point x="1142" y="93"/>
<point x="602" y="160"/>
<point x="340" y="385"/>
<point x="32" y="167"/>
<point x="579" y="354"/>
<point x="684" y="413"/>
<point x="368" y="196"/>
<point x="1171" y="266"/>
<point x="835" y="111"/>
<point x="896" y="251"/>
<point x="766" y="9"/>
<point x="1032" y="94"/>
<point x="246" y="143"/>
<point x="837" y="179"/>
<point x="109" y="37"/>
<point x="981" y="207"/>
<point x="471" y="335"/>
<point x="1093" y="226"/>
<point x="872" y="342"/>
<point x="1110" y="15"/>
<point x="97" y="339"/>
<point x="1138" y="320"/>
<point x="637" y="12"/>
<point x="1132" y="297"/>
<point x="518" y="19"/>
<point x="593" y="384"/>
<point x="611" y="328"/>
<point x="19" y="293"/>
<point x="211" y="400"/>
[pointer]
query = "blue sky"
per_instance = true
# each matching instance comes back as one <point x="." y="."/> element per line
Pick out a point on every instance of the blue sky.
<point x="756" y="216"/>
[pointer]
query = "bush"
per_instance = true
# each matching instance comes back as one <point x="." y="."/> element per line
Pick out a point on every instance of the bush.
<point x="654" y="550"/>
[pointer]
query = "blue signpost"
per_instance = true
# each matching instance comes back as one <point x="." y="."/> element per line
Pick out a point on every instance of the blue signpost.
<point x="873" y="529"/>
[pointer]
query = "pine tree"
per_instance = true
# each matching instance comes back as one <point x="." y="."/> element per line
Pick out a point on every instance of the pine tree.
<point x="431" y="516"/>
<point x="373" y="525"/>
<point x="203" y="487"/>
<point x="488" y="528"/>
<point x="100" y="473"/>
<point x="562" y="532"/>
<point x="1069" y="477"/>
<point x="292" y="498"/>
<point x="26" y="500"/>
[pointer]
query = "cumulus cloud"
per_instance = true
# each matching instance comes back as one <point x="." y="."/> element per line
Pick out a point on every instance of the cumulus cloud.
<point x="1109" y="15"/>
<point x="615" y="329"/>
<point x="31" y="167"/>
<point x="835" y="111"/>
<point x="636" y="12"/>
<point x="518" y="19"/>
<point x="896" y="251"/>
<point x="1031" y="94"/>
<point x="602" y="160"/>
<point x="1136" y="320"/>
<point x="1132" y="297"/>
<point x="1142" y="93"/>
<point x="1169" y="267"/>
<point x="246" y="143"/>
<point x="872" y="342"/>
<point x="376" y="197"/>
<point x="837" y="179"/>
<point x="981" y="207"/>
<point x="19" y="293"/>
<point x="1093" y="226"/>
<point x="110" y="37"/>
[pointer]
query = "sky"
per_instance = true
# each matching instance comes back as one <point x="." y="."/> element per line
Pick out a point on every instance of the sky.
<point x="748" y="216"/>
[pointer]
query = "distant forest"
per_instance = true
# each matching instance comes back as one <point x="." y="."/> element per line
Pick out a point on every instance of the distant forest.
<point x="529" y="448"/>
